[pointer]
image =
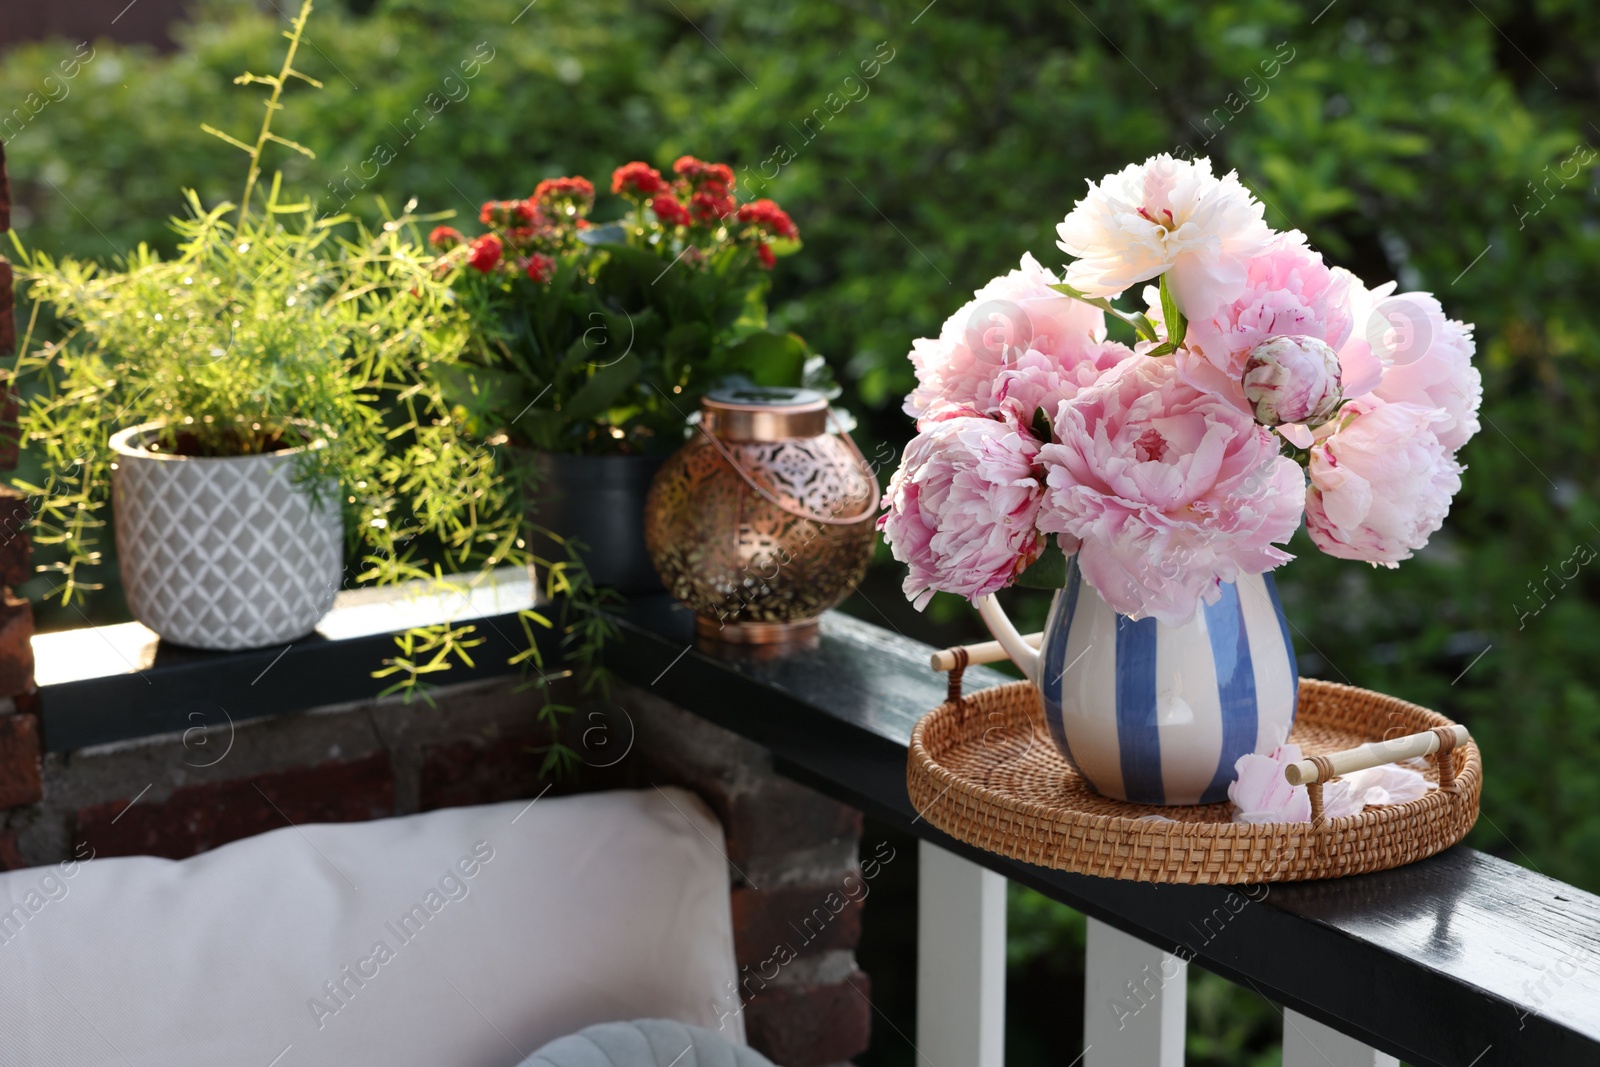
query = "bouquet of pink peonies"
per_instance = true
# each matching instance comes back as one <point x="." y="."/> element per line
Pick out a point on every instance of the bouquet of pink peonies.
<point x="1262" y="385"/>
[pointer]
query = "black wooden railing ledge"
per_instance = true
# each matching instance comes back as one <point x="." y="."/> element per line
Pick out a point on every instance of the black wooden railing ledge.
<point x="104" y="684"/>
<point x="1461" y="960"/>
<point x="1455" y="961"/>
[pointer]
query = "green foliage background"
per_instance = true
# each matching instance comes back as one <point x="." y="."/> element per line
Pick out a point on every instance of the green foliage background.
<point x="1407" y="142"/>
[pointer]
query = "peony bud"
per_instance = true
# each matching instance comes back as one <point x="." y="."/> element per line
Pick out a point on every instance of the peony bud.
<point x="1292" y="379"/>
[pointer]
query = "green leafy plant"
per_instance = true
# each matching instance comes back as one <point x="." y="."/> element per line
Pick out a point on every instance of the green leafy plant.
<point x="600" y="338"/>
<point x="269" y="329"/>
<point x="585" y="630"/>
<point x="273" y="327"/>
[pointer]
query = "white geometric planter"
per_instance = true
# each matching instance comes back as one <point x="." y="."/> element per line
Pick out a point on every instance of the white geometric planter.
<point x="222" y="553"/>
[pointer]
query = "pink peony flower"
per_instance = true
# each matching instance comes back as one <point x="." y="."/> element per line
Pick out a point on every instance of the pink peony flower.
<point x="1381" y="483"/>
<point x="1288" y="292"/>
<point x="1015" y="313"/>
<point x="1039" y="381"/>
<point x="1166" y="215"/>
<point x="962" y="508"/>
<point x="1292" y="379"/>
<point x="1377" y="787"/>
<point x="1172" y="491"/>
<point x="1261" y="793"/>
<point x="1429" y="363"/>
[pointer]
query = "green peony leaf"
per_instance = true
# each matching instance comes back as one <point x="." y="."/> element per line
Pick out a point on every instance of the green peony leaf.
<point x="1177" y="325"/>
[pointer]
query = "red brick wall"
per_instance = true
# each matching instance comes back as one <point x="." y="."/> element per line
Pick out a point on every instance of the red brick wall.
<point x="800" y="879"/>
<point x="195" y="818"/>
<point x="19" y="727"/>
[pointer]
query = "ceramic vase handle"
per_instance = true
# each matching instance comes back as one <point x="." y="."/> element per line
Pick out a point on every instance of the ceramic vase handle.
<point x="1024" y="655"/>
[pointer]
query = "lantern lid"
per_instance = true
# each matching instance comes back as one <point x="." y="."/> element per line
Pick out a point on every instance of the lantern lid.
<point x="747" y="412"/>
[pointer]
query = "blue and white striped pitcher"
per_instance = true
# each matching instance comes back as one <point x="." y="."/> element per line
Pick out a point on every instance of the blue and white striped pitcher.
<point x="1159" y="714"/>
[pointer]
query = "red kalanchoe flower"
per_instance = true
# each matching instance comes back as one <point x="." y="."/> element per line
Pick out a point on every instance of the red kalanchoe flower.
<point x="444" y="238"/>
<point x="486" y="252"/>
<point x="764" y="254"/>
<point x="669" y="211"/>
<point x="639" y="180"/>
<point x="713" y="178"/>
<point x="710" y="208"/>
<point x="499" y="212"/>
<point x="577" y="186"/>
<point x="540" y="267"/>
<point x="769" y="218"/>
<point x="719" y="173"/>
<point x="565" y="196"/>
<point x="526" y="210"/>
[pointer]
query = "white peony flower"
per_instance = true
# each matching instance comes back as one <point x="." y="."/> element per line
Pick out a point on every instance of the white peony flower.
<point x="1166" y="215"/>
<point x="1428" y="362"/>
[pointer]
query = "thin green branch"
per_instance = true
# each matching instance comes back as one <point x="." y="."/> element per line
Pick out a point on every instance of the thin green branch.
<point x="285" y="72"/>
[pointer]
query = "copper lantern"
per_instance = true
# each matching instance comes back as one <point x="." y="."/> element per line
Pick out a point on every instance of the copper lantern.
<point x="764" y="519"/>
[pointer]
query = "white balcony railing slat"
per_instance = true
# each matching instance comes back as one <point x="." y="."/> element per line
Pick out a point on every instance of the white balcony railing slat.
<point x="1308" y="1043"/>
<point x="961" y="962"/>
<point x="1133" y="1002"/>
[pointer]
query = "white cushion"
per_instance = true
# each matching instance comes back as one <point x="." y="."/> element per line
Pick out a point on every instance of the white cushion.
<point x="465" y="937"/>
<point x="645" y="1043"/>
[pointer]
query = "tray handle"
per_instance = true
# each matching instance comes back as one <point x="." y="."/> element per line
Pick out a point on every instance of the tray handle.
<point x="956" y="659"/>
<point x="1315" y="771"/>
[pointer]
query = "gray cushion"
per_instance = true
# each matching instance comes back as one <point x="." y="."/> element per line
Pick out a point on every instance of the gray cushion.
<point x="644" y="1043"/>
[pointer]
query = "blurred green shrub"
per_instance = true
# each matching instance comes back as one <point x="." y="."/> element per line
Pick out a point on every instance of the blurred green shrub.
<point x="1430" y="143"/>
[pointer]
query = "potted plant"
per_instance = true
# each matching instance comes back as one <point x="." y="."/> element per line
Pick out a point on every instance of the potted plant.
<point x="250" y="409"/>
<point x="589" y="345"/>
<point x="1153" y="484"/>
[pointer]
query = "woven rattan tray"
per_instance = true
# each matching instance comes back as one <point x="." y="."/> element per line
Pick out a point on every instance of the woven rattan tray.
<point x="982" y="768"/>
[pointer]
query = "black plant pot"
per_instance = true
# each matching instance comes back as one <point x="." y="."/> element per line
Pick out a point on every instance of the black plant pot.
<point x="598" y="500"/>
